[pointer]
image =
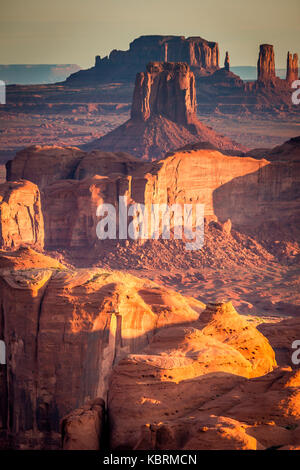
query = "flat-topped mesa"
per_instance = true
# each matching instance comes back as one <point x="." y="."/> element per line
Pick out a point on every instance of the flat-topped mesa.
<point x="226" y="62"/>
<point x="201" y="55"/>
<point x="292" y="67"/>
<point x="266" y="64"/>
<point x="165" y="89"/>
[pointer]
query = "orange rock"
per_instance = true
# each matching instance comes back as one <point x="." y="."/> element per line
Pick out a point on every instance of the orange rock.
<point x="21" y="219"/>
<point x="82" y="429"/>
<point x="171" y="379"/>
<point x="43" y="164"/>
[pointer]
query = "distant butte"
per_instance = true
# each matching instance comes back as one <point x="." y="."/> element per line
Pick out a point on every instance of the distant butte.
<point x="201" y="55"/>
<point x="163" y="115"/>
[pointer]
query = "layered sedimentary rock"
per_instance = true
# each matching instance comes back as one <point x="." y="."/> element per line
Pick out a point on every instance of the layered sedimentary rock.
<point x="83" y="429"/>
<point x="44" y="164"/>
<point x="70" y="209"/>
<point x="64" y="331"/>
<point x="292" y="67"/>
<point x="21" y="218"/>
<point x="163" y="116"/>
<point x="201" y="55"/>
<point x="218" y="411"/>
<point x="183" y="371"/>
<point x="27" y="258"/>
<point x="226" y="62"/>
<point x="186" y="177"/>
<point x="225" y="92"/>
<point x="166" y="89"/>
<point x="266" y="64"/>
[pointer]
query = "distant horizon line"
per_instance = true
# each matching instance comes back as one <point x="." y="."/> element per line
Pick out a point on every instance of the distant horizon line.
<point x="77" y="65"/>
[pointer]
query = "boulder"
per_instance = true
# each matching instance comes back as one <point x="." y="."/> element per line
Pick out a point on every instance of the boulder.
<point x="83" y="428"/>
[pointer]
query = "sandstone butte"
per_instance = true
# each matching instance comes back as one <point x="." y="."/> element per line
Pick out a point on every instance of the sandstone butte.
<point x="163" y="115"/>
<point x="218" y="89"/>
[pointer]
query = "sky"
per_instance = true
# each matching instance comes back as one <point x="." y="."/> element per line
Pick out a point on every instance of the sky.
<point x="74" y="31"/>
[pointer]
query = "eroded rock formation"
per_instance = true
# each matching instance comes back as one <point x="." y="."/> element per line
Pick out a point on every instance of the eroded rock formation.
<point x="163" y="116"/>
<point x="215" y="411"/>
<point x="83" y="429"/>
<point x="292" y="67"/>
<point x="225" y="184"/>
<point x="166" y="89"/>
<point x="186" y="401"/>
<point x="44" y="164"/>
<point x="266" y="64"/>
<point x="201" y="55"/>
<point x="64" y="331"/>
<point x="21" y="218"/>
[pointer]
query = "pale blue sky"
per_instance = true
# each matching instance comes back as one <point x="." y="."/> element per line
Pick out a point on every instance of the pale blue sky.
<point x="74" y="31"/>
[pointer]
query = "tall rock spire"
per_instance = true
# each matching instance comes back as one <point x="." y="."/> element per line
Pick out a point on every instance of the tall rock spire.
<point x="266" y="64"/>
<point x="226" y="62"/>
<point x="292" y="67"/>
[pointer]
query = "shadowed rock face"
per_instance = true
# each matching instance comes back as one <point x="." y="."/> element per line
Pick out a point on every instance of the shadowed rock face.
<point x="266" y="64"/>
<point x="225" y="184"/>
<point x="166" y="89"/>
<point x="64" y="331"/>
<point x="201" y="55"/>
<point x="226" y="62"/>
<point x="292" y="67"/>
<point x="21" y="218"/>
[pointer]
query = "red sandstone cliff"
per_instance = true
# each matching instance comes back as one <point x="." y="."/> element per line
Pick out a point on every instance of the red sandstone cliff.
<point x="64" y="331"/>
<point x="226" y="184"/>
<point x="21" y="218"/>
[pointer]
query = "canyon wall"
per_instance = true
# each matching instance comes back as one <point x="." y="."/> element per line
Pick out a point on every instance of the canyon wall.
<point x="257" y="195"/>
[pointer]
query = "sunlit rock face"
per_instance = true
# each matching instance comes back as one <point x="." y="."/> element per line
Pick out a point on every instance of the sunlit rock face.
<point x="64" y="332"/>
<point x="21" y="218"/>
<point x="179" y="374"/>
<point x="163" y="115"/>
